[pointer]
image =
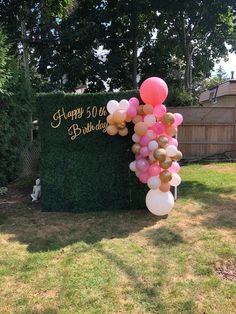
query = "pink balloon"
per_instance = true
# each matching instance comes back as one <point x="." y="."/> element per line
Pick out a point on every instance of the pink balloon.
<point x="132" y="111"/>
<point x="173" y="141"/>
<point x="175" y="167"/>
<point x="151" y="134"/>
<point x="159" y="111"/>
<point x="138" y="157"/>
<point x="160" y="128"/>
<point x="154" y="170"/>
<point x="153" y="91"/>
<point x="178" y="118"/>
<point x="144" y="140"/>
<point x="134" y="102"/>
<point x="144" y="151"/>
<point x="142" y="165"/>
<point x="143" y="177"/>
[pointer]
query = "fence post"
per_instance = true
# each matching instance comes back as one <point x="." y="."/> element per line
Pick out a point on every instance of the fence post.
<point x="234" y="134"/>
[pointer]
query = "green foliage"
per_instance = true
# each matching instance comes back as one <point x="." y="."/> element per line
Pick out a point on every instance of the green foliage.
<point x="179" y="97"/>
<point x="14" y="116"/>
<point x="90" y="172"/>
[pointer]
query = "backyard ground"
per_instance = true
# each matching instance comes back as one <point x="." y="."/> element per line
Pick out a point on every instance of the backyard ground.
<point x="123" y="262"/>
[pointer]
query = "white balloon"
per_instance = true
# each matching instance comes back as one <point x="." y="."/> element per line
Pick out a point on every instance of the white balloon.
<point x="151" y="134"/>
<point x="176" y="180"/>
<point x="159" y="203"/>
<point x="135" y="138"/>
<point x="112" y="106"/>
<point x="154" y="182"/>
<point x="124" y="104"/>
<point x="152" y="145"/>
<point x="171" y="150"/>
<point x="132" y="166"/>
<point x="150" y="119"/>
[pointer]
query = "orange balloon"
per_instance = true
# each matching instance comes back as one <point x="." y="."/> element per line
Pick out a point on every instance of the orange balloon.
<point x="140" y="128"/>
<point x="128" y="119"/>
<point x="123" y="132"/>
<point x="164" y="187"/>
<point x="112" y="130"/>
<point x="110" y="119"/>
<point x="140" y="109"/>
<point x="171" y="131"/>
<point x="119" y="116"/>
<point x="148" y="109"/>
<point x="137" y="119"/>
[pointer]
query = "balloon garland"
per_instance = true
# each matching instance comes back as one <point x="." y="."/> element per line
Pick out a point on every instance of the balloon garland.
<point x="155" y="148"/>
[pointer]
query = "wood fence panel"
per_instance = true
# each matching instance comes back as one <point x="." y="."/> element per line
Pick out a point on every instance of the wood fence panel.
<point x="206" y="131"/>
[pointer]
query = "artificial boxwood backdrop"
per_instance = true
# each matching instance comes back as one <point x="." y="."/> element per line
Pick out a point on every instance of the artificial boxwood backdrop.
<point x="89" y="171"/>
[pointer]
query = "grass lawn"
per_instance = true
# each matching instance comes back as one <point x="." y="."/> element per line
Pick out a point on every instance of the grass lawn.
<point x="123" y="262"/>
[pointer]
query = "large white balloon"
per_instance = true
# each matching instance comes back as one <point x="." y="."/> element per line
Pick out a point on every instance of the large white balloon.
<point x="124" y="104"/>
<point x="176" y="180"/>
<point x="112" y="106"/>
<point x="159" y="203"/>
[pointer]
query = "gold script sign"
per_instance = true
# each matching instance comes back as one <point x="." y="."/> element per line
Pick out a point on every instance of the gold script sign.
<point x="75" y="129"/>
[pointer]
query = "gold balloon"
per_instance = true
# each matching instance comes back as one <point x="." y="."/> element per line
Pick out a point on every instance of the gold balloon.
<point x="178" y="156"/>
<point x="164" y="187"/>
<point x="112" y="130"/>
<point x="162" y="141"/>
<point x="165" y="176"/>
<point x="159" y="154"/>
<point x="123" y="132"/>
<point x="121" y="125"/>
<point x="166" y="163"/>
<point x="136" y="148"/>
<point x="140" y="109"/>
<point x="119" y="116"/>
<point x="168" y="118"/>
<point x="147" y="109"/>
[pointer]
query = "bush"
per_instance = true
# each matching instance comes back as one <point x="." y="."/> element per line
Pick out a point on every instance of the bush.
<point x="179" y="97"/>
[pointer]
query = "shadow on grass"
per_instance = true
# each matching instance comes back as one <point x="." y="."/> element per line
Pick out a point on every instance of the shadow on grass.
<point x="164" y="237"/>
<point x="219" y="203"/>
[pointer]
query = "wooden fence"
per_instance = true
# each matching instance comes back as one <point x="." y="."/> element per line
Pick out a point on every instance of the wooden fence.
<point x="207" y="131"/>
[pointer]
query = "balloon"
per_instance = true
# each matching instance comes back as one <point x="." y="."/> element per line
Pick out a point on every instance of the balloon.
<point x="175" y="167"/>
<point x="173" y="141"/>
<point x="176" y="180"/>
<point x="121" y="125"/>
<point x="132" y="166"/>
<point x="162" y="141"/>
<point x="165" y="176"/>
<point x="140" y="110"/>
<point x="159" y="154"/>
<point x="171" y="130"/>
<point x="164" y="187"/>
<point x="137" y="119"/>
<point x="150" y="119"/>
<point x="135" y="138"/>
<point x="178" y="118"/>
<point x="159" y="111"/>
<point x="112" y="130"/>
<point x="134" y="102"/>
<point x="132" y="111"/>
<point x="151" y="157"/>
<point x="144" y="151"/>
<point x="124" y="104"/>
<point x="140" y="128"/>
<point x="147" y="109"/>
<point x="142" y="165"/>
<point x="171" y="150"/>
<point x="144" y="140"/>
<point x="119" y="116"/>
<point x="153" y="182"/>
<point x="168" y="119"/>
<point x="136" y="148"/>
<point x="178" y="156"/>
<point x="160" y="128"/>
<point x="152" y="145"/>
<point x="159" y="203"/>
<point x="143" y="177"/>
<point x="128" y="119"/>
<point x="110" y="119"/>
<point x="151" y="134"/>
<point x="153" y="91"/>
<point x="123" y="132"/>
<point x="166" y="163"/>
<point x="154" y="170"/>
<point x="112" y="106"/>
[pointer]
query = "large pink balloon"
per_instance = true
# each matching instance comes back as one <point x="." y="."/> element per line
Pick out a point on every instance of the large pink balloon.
<point x="153" y="91"/>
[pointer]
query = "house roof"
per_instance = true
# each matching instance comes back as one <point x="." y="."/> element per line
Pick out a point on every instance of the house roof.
<point x="225" y="89"/>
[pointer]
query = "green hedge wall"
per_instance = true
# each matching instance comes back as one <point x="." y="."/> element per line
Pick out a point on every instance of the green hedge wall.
<point x="90" y="172"/>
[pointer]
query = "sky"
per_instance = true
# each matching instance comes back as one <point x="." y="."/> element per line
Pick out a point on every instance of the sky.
<point x="228" y="66"/>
